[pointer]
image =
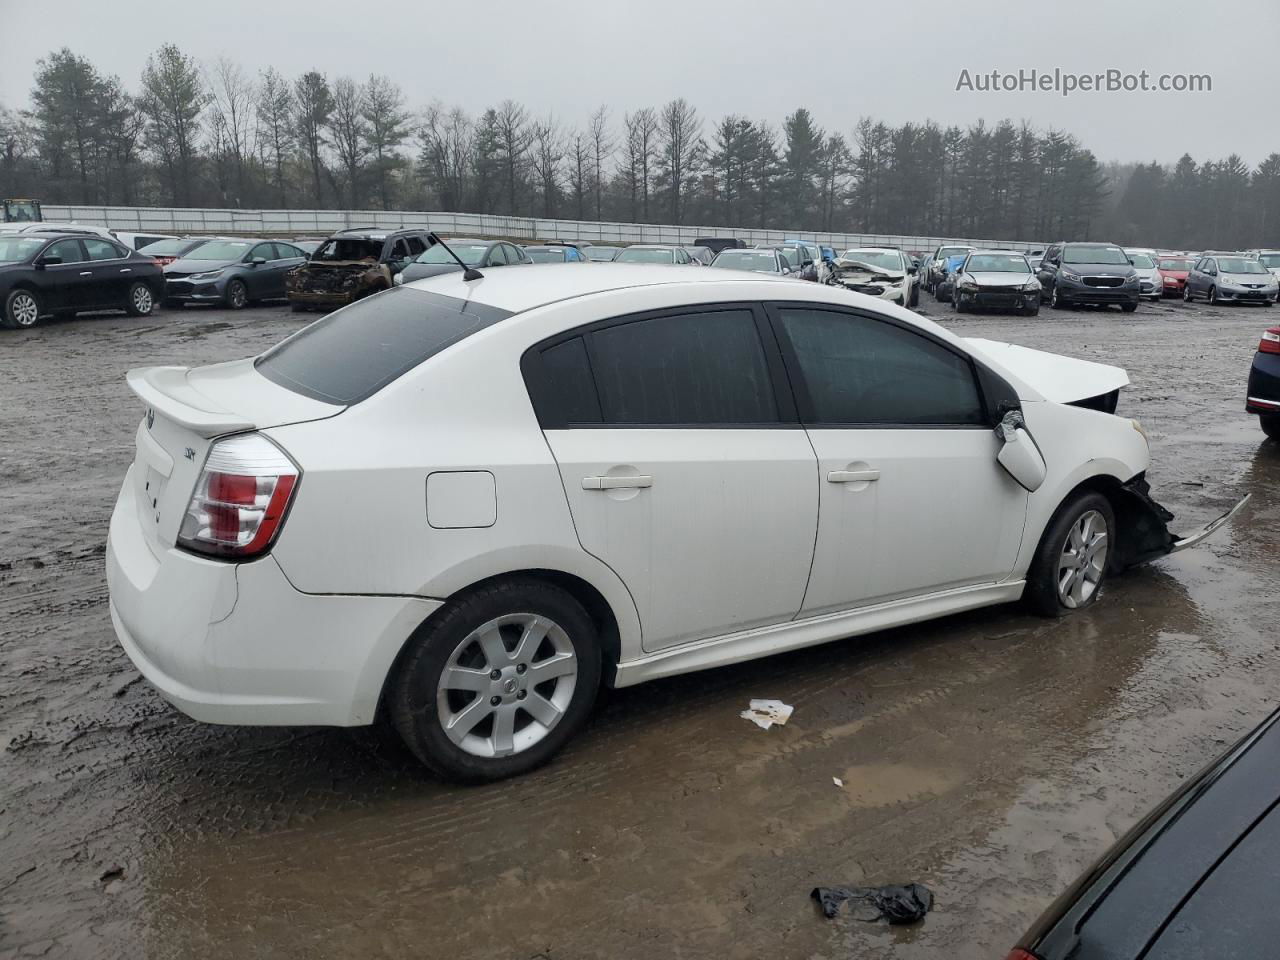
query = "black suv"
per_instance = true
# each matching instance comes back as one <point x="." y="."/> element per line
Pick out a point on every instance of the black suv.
<point x="1097" y="273"/>
<point x="352" y="264"/>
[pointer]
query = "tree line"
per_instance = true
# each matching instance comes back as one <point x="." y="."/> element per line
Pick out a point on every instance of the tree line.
<point x="192" y="134"/>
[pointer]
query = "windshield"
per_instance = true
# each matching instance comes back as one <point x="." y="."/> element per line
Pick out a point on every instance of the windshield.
<point x="761" y="261"/>
<point x="355" y="352"/>
<point x="15" y="249"/>
<point x="470" y="253"/>
<point x="1082" y="253"/>
<point x="946" y="252"/>
<point x="602" y="253"/>
<point x="997" y="263"/>
<point x="545" y="256"/>
<point x="220" y="250"/>
<point x="1174" y="263"/>
<point x="879" y="259"/>
<point x="349" y="248"/>
<point x="1142" y="261"/>
<point x="641" y="255"/>
<point x="1270" y="259"/>
<point x="166" y="248"/>
<point x="1240" y="265"/>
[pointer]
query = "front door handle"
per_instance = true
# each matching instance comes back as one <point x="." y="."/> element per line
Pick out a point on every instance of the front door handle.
<point x="615" y="483"/>
<point x="126" y="269"/>
<point x="852" y="476"/>
<point x="86" y="273"/>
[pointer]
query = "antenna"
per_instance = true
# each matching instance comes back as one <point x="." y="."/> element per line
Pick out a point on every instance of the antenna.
<point x="468" y="273"/>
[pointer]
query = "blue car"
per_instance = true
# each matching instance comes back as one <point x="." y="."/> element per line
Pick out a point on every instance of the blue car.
<point x="942" y="289"/>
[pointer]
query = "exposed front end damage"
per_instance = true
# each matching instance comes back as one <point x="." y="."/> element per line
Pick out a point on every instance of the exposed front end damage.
<point x="336" y="283"/>
<point x="1143" y="526"/>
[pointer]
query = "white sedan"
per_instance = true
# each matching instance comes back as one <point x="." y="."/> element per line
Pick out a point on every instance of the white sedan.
<point x="470" y="503"/>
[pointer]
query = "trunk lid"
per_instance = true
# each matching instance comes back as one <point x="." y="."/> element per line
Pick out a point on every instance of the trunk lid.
<point x="186" y="410"/>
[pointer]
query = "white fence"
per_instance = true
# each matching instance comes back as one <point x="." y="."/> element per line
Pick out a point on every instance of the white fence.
<point x="320" y="223"/>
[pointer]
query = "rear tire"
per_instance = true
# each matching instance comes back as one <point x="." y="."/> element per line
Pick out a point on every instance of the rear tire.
<point x="21" y="309"/>
<point x="141" y="302"/>
<point x="492" y="686"/>
<point x="1071" y="564"/>
<point x="1270" y="424"/>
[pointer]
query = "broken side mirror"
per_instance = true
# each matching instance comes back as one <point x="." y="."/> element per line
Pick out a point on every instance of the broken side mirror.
<point x="1019" y="455"/>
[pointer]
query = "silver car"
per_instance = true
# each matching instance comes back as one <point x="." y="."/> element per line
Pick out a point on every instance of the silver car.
<point x="1151" y="281"/>
<point x="1231" y="278"/>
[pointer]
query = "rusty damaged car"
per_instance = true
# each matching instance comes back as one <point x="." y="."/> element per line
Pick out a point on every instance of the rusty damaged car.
<point x="352" y="264"/>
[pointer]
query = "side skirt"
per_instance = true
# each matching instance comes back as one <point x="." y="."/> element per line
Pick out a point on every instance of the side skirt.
<point x="795" y="634"/>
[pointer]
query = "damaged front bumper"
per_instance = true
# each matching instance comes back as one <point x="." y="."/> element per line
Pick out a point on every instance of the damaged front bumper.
<point x="1144" y="526"/>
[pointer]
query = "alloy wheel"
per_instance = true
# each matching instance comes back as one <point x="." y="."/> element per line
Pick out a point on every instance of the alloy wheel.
<point x="1083" y="560"/>
<point x="25" y="311"/>
<point x="506" y="685"/>
<point x="142" y="300"/>
<point x="236" y="295"/>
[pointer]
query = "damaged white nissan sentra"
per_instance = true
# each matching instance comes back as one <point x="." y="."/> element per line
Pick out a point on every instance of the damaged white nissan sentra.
<point x="467" y="503"/>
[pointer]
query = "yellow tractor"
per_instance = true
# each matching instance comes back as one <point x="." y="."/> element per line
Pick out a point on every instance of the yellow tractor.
<point x="22" y="211"/>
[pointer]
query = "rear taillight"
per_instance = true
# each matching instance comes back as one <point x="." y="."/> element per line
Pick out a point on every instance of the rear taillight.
<point x="1021" y="955"/>
<point x="1270" y="342"/>
<point x="240" y="498"/>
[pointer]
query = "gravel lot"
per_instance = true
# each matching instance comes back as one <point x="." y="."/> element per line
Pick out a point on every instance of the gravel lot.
<point x="992" y="755"/>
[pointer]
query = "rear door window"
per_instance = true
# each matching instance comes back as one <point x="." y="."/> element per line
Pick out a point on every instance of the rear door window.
<point x="353" y="353"/>
<point x="102" y="249"/>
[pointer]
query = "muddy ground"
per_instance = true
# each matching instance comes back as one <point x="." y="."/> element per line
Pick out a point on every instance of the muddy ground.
<point x="992" y="755"/>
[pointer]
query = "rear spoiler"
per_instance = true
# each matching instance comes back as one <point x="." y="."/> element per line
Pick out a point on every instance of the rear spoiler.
<point x="166" y="389"/>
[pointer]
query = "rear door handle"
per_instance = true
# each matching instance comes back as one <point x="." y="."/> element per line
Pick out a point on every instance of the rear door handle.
<point x="86" y="273"/>
<point x="126" y="269"/>
<point x="852" y="476"/>
<point x="615" y="483"/>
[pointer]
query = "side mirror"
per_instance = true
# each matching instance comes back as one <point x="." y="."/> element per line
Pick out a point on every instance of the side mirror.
<point x="48" y="261"/>
<point x="257" y="261"/>
<point x="912" y="269"/>
<point x="1019" y="455"/>
<point x="808" y="263"/>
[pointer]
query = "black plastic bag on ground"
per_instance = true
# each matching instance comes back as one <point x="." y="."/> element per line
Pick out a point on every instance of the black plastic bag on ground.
<point x="903" y="904"/>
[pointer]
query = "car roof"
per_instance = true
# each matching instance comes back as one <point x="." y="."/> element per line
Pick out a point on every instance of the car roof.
<point x="1003" y="253"/>
<point x="522" y="290"/>
<point x="874" y="249"/>
<point x="654" y="246"/>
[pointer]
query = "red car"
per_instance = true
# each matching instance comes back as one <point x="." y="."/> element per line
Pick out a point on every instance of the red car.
<point x="1174" y="271"/>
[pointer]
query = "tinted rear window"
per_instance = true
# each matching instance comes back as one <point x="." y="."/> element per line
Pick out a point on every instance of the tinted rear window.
<point x="353" y="353"/>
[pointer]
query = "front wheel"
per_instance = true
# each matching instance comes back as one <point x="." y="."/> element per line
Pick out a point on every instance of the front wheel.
<point x="1128" y="307"/>
<point x="498" y="682"/>
<point x="915" y="295"/>
<point x="1270" y="424"/>
<point x="1213" y="297"/>
<point x="140" y="302"/>
<point x="237" y="296"/>
<point x="1055" y="299"/>
<point x="1031" y="311"/>
<point x="1186" y="293"/>
<point x="21" y="309"/>
<point x="1070" y="564"/>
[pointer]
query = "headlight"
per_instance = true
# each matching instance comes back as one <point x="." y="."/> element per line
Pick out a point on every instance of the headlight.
<point x="897" y="283"/>
<point x="1066" y="274"/>
<point x="1137" y="426"/>
<point x="398" y="279"/>
<point x="1131" y="280"/>
<point x="1032" y="284"/>
<point x="968" y="286"/>
<point x="211" y="275"/>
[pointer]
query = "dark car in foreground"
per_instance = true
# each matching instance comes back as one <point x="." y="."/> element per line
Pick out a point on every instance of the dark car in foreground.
<point x="1099" y="274"/>
<point x="1195" y="879"/>
<point x="1263" y="394"/>
<point x="996" y="280"/>
<point x="231" y="273"/>
<point x="352" y="264"/>
<point x="481" y="254"/>
<point x="47" y="274"/>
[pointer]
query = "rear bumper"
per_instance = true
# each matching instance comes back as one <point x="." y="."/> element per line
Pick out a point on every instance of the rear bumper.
<point x="1263" y="394"/>
<point x="237" y="644"/>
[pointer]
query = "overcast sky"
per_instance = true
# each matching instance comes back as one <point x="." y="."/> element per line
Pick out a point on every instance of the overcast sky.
<point x="842" y="60"/>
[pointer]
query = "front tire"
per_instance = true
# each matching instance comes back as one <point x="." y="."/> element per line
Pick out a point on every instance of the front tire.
<point x="1128" y="307"/>
<point x="237" y="295"/>
<point x="1213" y="297"/>
<point x="915" y="295"/>
<point x="498" y="682"/>
<point x="1070" y="564"/>
<point x="1270" y="423"/>
<point x="21" y="309"/>
<point x="141" y="302"/>
<point x="1056" y="301"/>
